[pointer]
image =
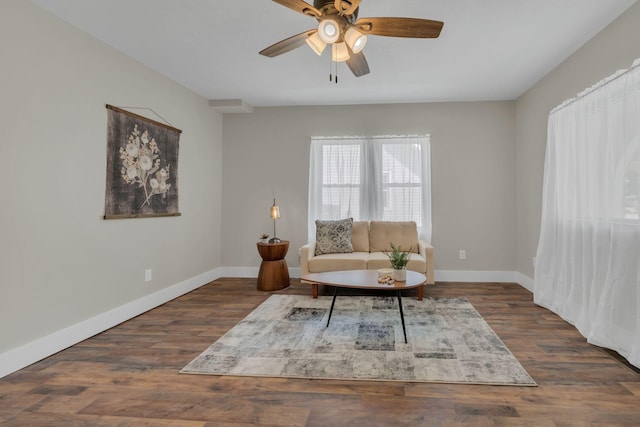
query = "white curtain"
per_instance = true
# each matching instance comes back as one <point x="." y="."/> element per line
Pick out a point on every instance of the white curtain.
<point x="371" y="178"/>
<point x="588" y="261"/>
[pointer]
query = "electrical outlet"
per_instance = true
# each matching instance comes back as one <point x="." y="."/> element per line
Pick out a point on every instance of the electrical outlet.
<point x="462" y="254"/>
<point x="147" y="275"/>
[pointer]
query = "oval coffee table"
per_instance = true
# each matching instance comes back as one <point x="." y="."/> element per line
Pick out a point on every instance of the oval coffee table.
<point x="365" y="279"/>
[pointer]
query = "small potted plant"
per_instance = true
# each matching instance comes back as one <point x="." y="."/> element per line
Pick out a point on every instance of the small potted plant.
<point x="264" y="237"/>
<point x="399" y="260"/>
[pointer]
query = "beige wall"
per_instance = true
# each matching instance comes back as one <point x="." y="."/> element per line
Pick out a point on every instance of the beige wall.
<point x="613" y="48"/>
<point x="60" y="263"/>
<point x="473" y="174"/>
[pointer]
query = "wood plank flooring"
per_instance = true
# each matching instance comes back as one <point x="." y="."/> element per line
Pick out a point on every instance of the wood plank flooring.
<point x="128" y="375"/>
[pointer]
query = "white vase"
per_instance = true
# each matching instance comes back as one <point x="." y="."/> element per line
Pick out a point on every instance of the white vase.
<point x="400" y="274"/>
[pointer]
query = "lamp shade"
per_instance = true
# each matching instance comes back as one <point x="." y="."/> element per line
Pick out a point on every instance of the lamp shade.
<point x="339" y="52"/>
<point x="329" y="30"/>
<point x="275" y="210"/>
<point x="355" y="39"/>
<point x="316" y="43"/>
<point x="274" y="214"/>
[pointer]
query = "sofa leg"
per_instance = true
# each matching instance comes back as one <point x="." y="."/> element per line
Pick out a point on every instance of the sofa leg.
<point x="420" y="292"/>
<point x="314" y="290"/>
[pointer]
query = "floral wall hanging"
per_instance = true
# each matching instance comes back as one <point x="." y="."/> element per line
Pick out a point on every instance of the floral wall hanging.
<point x="142" y="167"/>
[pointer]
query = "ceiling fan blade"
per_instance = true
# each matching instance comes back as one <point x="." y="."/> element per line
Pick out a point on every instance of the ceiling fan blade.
<point x="346" y="7"/>
<point x="300" y="6"/>
<point x="400" y="27"/>
<point x="284" y="46"/>
<point x="357" y="63"/>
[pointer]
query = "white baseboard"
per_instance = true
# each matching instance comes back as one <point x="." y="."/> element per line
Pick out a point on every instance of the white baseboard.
<point x="295" y="273"/>
<point x="248" y="272"/>
<point x="524" y="281"/>
<point x="441" y="275"/>
<point x="34" y="351"/>
<point x="475" y="276"/>
<point x="485" y="276"/>
<point x="251" y="272"/>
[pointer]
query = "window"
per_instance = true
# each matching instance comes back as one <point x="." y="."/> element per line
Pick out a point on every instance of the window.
<point x="631" y="172"/>
<point x="386" y="179"/>
<point x="376" y="178"/>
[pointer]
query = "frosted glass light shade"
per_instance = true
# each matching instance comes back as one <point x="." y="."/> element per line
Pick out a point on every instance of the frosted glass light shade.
<point x="275" y="212"/>
<point x="329" y="30"/>
<point x="316" y="43"/>
<point x="355" y="39"/>
<point x="339" y="52"/>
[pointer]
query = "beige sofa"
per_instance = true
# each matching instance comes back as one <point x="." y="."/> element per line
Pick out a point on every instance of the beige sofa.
<point x="370" y="240"/>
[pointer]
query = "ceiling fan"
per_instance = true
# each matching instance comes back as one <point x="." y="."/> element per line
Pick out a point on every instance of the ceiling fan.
<point x="339" y="26"/>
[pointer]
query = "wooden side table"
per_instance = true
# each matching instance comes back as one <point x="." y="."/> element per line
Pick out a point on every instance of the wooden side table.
<point x="274" y="273"/>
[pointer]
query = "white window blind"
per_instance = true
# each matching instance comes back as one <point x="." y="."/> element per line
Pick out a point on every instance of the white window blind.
<point x="371" y="178"/>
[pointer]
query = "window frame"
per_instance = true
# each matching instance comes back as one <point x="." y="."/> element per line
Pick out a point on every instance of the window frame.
<point x="375" y="196"/>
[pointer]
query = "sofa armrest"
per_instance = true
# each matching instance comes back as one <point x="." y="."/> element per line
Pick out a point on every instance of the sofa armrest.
<point x="306" y="253"/>
<point x="426" y="250"/>
<point x="422" y="247"/>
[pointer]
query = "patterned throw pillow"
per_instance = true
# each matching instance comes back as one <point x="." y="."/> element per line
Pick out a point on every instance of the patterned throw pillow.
<point x="333" y="237"/>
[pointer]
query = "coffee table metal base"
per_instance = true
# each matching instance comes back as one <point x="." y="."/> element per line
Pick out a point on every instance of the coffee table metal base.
<point x="398" y="294"/>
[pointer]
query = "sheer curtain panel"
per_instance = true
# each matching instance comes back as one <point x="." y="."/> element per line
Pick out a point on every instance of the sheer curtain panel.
<point x="371" y="178"/>
<point x="588" y="261"/>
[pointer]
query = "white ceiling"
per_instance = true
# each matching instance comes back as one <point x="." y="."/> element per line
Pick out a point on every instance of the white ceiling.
<point x="488" y="50"/>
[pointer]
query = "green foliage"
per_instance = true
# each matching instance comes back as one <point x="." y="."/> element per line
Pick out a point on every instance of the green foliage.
<point x="399" y="258"/>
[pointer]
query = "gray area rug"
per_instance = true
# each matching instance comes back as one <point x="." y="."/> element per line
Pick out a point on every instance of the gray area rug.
<point x="286" y="336"/>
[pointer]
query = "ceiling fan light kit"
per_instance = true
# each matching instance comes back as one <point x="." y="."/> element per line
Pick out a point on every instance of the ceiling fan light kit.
<point x="329" y="30"/>
<point x="316" y="43"/>
<point x="339" y="26"/>
<point x="340" y="52"/>
<point x="355" y="39"/>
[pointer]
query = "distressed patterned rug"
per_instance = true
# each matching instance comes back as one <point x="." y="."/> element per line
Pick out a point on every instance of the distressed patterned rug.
<point x="286" y="336"/>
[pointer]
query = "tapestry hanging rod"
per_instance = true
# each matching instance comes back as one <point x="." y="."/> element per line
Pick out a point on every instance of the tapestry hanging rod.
<point x="124" y="111"/>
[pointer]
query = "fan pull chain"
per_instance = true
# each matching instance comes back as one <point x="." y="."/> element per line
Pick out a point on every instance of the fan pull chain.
<point x="333" y="65"/>
<point x="331" y="69"/>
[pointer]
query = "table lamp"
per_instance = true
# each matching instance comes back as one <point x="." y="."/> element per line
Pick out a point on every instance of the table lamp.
<point x="275" y="214"/>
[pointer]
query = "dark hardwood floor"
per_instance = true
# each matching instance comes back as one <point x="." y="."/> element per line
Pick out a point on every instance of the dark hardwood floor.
<point x="128" y="375"/>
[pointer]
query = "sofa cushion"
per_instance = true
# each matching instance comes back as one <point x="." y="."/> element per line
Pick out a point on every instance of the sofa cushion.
<point x="338" y="262"/>
<point x="360" y="236"/>
<point x="333" y="237"/>
<point x="403" y="234"/>
<point x="377" y="260"/>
